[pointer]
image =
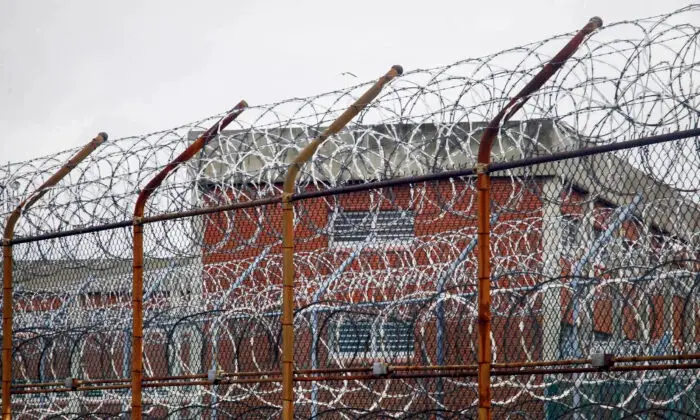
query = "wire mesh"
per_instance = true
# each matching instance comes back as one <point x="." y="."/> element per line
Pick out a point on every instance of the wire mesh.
<point x="591" y="255"/>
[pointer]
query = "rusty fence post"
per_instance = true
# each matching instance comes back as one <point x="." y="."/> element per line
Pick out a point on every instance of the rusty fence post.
<point x="137" y="287"/>
<point x="288" y="235"/>
<point x="8" y="265"/>
<point x="483" y="186"/>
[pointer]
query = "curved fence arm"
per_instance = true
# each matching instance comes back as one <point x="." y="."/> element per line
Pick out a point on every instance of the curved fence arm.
<point x="336" y="126"/>
<point x="137" y="287"/>
<point x="28" y="202"/>
<point x="540" y="79"/>
<point x="483" y="185"/>
<point x="186" y="155"/>
<point x="9" y="234"/>
<point x="288" y="235"/>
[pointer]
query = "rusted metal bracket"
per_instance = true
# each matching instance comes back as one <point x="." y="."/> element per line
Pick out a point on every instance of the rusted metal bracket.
<point x="215" y="375"/>
<point x="72" y="383"/>
<point x="481" y="168"/>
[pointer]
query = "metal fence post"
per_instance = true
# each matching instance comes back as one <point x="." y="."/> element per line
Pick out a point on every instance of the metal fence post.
<point x="484" y="210"/>
<point x="137" y="287"/>
<point x="288" y="236"/>
<point x="7" y="264"/>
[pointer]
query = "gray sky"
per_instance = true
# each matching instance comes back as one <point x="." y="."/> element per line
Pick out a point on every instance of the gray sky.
<point x="69" y="69"/>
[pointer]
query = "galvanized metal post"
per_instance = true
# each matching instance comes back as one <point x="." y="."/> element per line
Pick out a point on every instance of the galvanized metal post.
<point x="288" y="236"/>
<point x="483" y="185"/>
<point x="137" y="287"/>
<point x="7" y="265"/>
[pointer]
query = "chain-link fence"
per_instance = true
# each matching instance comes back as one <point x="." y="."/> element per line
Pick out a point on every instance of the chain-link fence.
<point x="591" y="255"/>
<point x="593" y="252"/>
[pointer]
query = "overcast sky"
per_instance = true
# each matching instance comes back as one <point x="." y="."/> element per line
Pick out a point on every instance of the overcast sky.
<point x="69" y="69"/>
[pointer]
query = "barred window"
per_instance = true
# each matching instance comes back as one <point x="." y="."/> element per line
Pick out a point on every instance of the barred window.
<point x="353" y="227"/>
<point x="367" y="339"/>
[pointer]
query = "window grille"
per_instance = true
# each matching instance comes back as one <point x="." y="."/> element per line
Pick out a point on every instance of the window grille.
<point x="387" y="226"/>
<point x="367" y="339"/>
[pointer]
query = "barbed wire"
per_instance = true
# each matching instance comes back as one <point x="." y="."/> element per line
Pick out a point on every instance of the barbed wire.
<point x="630" y="79"/>
<point x="213" y="282"/>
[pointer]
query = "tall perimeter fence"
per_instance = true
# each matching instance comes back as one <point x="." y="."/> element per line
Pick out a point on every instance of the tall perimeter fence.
<point x="514" y="236"/>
